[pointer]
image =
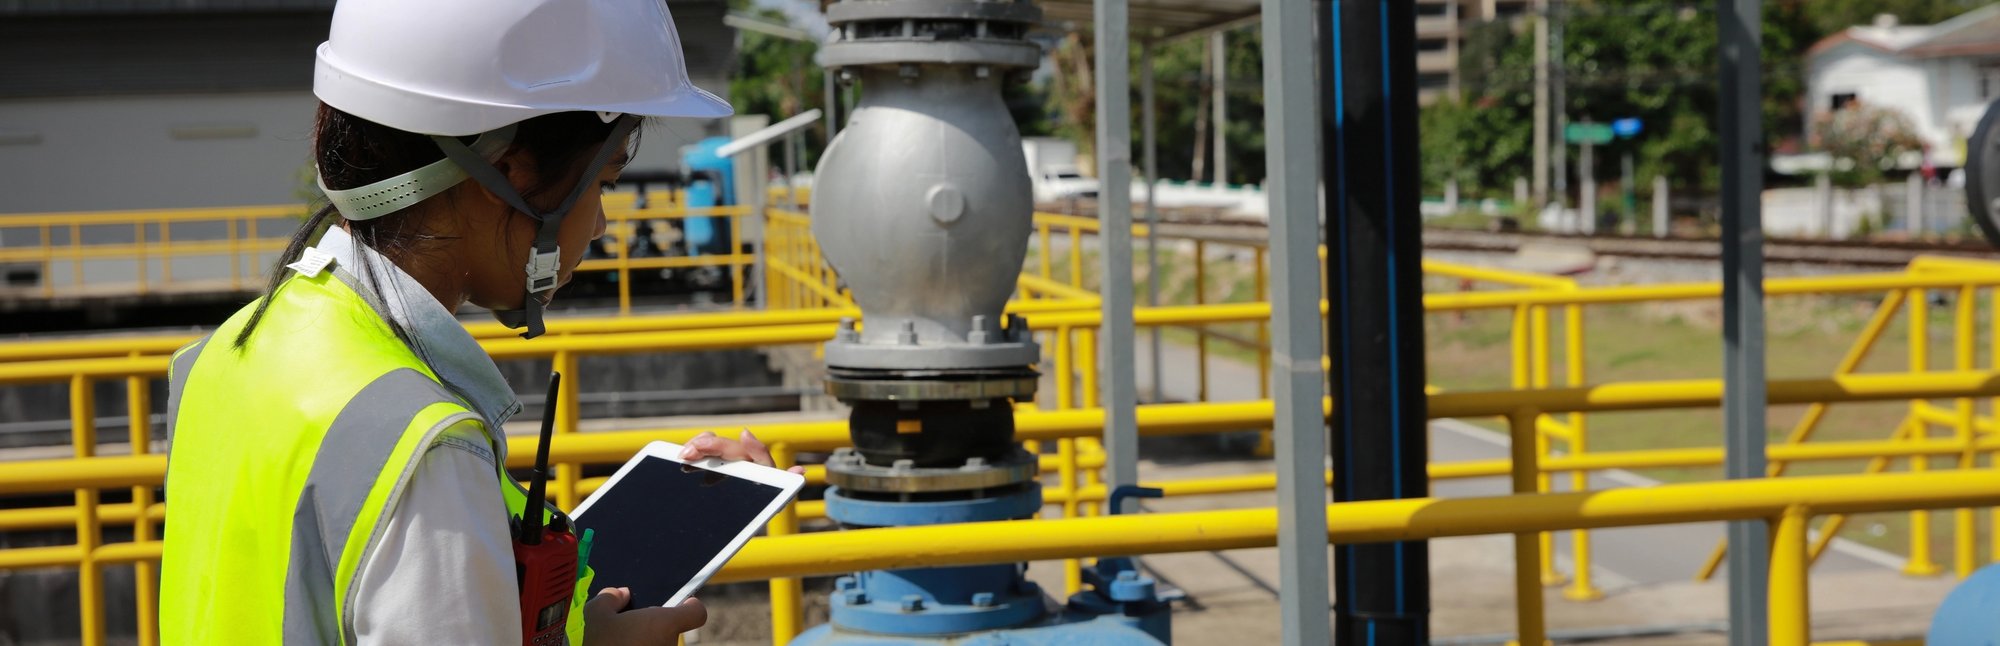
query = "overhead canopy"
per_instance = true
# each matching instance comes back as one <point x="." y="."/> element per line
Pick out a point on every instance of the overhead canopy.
<point x="1160" y="19"/>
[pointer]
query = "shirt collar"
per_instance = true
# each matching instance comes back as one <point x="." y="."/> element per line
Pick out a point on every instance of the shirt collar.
<point x="433" y="333"/>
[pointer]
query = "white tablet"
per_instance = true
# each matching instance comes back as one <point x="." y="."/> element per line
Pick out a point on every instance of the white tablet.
<point x="662" y="526"/>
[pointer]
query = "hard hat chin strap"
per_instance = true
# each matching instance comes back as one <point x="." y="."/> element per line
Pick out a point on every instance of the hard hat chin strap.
<point x="545" y="259"/>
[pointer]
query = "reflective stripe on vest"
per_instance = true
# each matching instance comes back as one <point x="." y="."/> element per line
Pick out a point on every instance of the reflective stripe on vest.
<point x="177" y="376"/>
<point x="348" y="466"/>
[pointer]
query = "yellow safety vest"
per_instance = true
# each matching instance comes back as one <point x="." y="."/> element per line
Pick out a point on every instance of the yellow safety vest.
<point x="285" y="459"/>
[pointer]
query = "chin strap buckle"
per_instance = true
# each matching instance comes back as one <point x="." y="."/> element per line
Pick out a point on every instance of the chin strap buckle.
<point x="543" y="267"/>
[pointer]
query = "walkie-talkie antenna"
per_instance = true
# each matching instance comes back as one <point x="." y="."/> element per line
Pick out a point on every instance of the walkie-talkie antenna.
<point x="538" y="485"/>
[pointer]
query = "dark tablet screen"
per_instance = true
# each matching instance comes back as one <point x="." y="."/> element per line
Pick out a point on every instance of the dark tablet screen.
<point x="657" y="527"/>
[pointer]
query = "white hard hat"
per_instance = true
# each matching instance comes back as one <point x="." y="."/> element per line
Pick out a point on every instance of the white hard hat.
<point x="464" y="67"/>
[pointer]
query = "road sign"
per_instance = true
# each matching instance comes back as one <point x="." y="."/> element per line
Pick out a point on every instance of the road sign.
<point x="1625" y="128"/>
<point x="1593" y="133"/>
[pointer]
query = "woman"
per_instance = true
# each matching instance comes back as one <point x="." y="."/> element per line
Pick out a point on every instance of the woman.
<point x="335" y="460"/>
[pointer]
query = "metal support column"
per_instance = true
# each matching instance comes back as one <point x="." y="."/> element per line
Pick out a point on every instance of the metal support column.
<point x="833" y="111"/>
<point x="1292" y="188"/>
<point x="1558" y="96"/>
<point x="1114" y="216"/>
<point x="1743" y="397"/>
<point x="1150" y="149"/>
<point x="1375" y="325"/>
<point x="1218" y="49"/>
<point x="1541" y="112"/>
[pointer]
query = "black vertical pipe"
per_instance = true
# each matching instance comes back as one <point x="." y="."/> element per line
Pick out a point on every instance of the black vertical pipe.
<point x="1368" y="69"/>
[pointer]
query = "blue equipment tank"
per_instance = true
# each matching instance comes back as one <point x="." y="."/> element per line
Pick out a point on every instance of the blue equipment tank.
<point x="1970" y="615"/>
<point x="711" y="182"/>
<point x="989" y="605"/>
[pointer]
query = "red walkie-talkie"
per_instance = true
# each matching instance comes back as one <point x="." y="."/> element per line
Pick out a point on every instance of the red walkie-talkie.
<point x="544" y="554"/>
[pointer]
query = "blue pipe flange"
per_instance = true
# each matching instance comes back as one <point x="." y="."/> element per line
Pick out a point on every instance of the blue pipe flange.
<point x="912" y="614"/>
<point x="1022" y="503"/>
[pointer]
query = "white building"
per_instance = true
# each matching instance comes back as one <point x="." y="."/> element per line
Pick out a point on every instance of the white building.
<point x="1940" y="76"/>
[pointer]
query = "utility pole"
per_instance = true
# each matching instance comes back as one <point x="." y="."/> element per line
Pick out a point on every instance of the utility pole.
<point x="1558" y="100"/>
<point x="1150" y="151"/>
<point x="1661" y="221"/>
<point x="1217" y="46"/>
<point x="1541" y="103"/>
<point x="1586" y="201"/>
<point x="1628" y="218"/>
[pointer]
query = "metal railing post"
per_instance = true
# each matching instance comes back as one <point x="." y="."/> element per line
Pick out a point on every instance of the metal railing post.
<point x="1201" y="331"/>
<point x="76" y="252"/>
<point x="736" y="262"/>
<point x="1993" y="409"/>
<point x="1075" y="257"/>
<point x="1790" y="611"/>
<point x="1046" y="255"/>
<point x="1539" y="325"/>
<point x="89" y="529"/>
<point x="1086" y="360"/>
<point x="49" y="259"/>
<point x="624" y="257"/>
<point x="1965" y="528"/>
<point x="139" y="246"/>
<point x="787" y="594"/>
<point x="166" y="253"/>
<point x="1530" y="627"/>
<point x="235" y="256"/>
<point x="1920" y="562"/>
<point x="568" y="416"/>
<point x="138" y="415"/>
<point x="1262" y="291"/>
<point x="1581" y="588"/>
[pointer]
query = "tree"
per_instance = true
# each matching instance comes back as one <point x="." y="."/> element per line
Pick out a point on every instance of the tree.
<point x="1180" y="92"/>
<point x="1870" y="140"/>
<point x="1647" y="60"/>
<point x="778" y="77"/>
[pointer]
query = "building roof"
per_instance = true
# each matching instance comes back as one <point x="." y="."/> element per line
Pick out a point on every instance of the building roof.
<point x="1970" y="33"/>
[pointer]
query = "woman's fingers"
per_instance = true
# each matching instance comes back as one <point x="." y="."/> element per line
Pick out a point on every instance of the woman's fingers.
<point x="691" y="614"/>
<point x="745" y="447"/>
<point x="699" y="445"/>
<point x="755" y="448"/>
<point x="605" y="605"/>
<point x="608" y="625"/>
<point x="709" y="445"/>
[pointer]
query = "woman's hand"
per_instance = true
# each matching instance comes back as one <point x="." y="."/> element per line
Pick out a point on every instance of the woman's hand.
<point x="604" y="625"/>
<point x="746" y="447"/>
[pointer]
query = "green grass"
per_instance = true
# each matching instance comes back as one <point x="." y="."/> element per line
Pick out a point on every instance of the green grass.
<point x="1806" y="338"/>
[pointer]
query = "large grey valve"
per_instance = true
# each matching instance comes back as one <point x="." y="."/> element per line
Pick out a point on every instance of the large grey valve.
<point x="924" y="207"/>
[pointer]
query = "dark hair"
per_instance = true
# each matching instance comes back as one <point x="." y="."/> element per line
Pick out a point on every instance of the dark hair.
<point x="349" y="151"/>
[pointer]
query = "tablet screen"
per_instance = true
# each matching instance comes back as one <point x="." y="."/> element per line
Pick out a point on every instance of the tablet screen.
<point x="664" y="521"/>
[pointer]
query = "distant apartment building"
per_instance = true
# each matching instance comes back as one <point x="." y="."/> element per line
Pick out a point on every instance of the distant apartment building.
<point x="1942" y="77"/>
<point x="130" y="104"/>
<point x="1442" y="27"/>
